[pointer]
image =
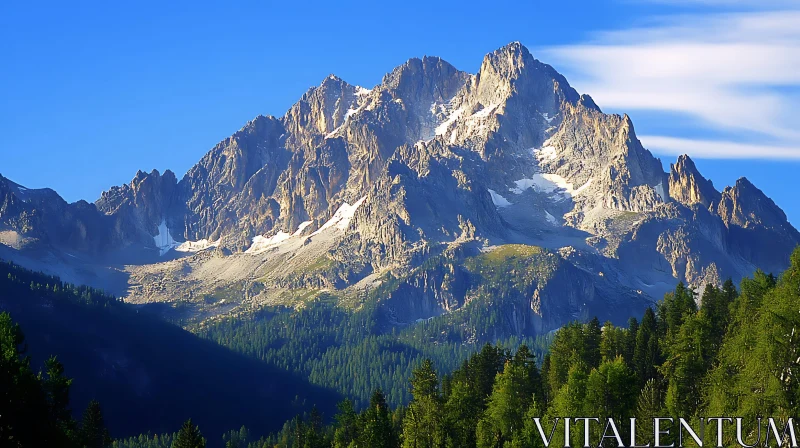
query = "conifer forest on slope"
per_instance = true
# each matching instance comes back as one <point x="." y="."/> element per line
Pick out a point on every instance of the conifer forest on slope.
<point x="735" y="354"/>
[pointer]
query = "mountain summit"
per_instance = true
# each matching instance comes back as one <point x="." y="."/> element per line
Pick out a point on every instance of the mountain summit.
<point x="419" y="191"/>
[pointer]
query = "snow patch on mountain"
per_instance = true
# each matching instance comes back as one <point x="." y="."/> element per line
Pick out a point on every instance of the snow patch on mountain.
<point x="443" y="128"/>
<point x="549" y="183"/>
<point x="550" y="218"/>
<point x="301" y="227"/>
<point x="660" y="191"/>
<point x="262" y="243"/>
<point x="485" y="112"/>
<point x="498" y="200"/>
<point x="196" y="246"/>
<point x="341" y="218"/>
<point x="545" y="153"/>
<point x="350" y="112"/>
<point x="333" y="133"/>
<point x="163" y="240"/>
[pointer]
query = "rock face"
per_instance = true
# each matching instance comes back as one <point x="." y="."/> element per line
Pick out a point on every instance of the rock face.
<point x="688" y="187"/>
<point x="41" y="218"/>
<point x="757" y="227"/>
<point x="138" y="208"/>
<point x="356" y="187"/>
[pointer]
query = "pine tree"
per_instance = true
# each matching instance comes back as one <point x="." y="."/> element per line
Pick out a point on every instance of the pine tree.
<point x="189" y="436"/>
<point x="314" y="437"/>
<point x="566" y="350"/>
<point x="462" y="411"/>
<point x="23" y="409"/>
<point x="570" y="400"/>
<point x="236" y="439"/>
<point x="487" y="435"/>
<point x="649" y="405"/>
<point x="689" y="358"/>
<point x="611" y="390"/>
<point x="646" y="356"/>
<point x="630" y="341"/>
<point x="346" y="425"/>
<point x="591" y="354"/>
<point x="423" y="426"/>
<point x="507" y="403"/>
<point x="56" y="386"/>
<point x="548" y="393"/>
<point x="529" y="436"/>
<point x="377" y="429"/>
<point x="93" y="431"/>
<point x="531" y="380"/>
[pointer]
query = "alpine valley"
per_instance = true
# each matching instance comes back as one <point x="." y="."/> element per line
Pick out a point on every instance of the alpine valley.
<point x="455" y="208"/>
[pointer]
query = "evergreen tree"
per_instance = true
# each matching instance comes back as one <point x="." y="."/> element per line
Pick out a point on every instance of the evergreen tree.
<point x="24" y="418"/>
<point x="630" y="341"/>
<point x="462" y="411"/>
<point x="314" y="436"/>
<point x="570" y="400"/>
<point x="679" y="305"/>
<point x="423" y="426"/>
<point x="566" y="350"/>
<point x="529" y="436"/>
<point x="647" y="354"/>
<point x="377" y="429"/>
<point x="236" y="439"/>
<point x="548" y="393"/>
<point x="189" y="436"/>
<point x="531" y="380"/>
<point x="93" y="430"/>
<point x="689" y="358"/>
<point x="506" y="408"/>
<point x="611" y="390"/>
<point x="56" y="386"/>
<point x="593" y="333"/>
<point x="649" y="405"/>
<point x="346" y="425"/>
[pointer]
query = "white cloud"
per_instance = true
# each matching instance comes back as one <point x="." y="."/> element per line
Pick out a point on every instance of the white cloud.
<point x="760" y="4"/>
<point x="713" y="149"/>
<point x="728" y="71"/>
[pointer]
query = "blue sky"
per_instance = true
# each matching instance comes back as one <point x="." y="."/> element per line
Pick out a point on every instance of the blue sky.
<point x="93" y="91"/>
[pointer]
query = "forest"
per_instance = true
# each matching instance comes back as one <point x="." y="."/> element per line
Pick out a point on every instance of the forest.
<point x="353" y="353"/>
<point x="147" y="374"/>
<point x="734" y="354"/>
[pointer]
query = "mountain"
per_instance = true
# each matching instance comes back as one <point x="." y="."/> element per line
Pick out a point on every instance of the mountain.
<point x="418" y="191"/>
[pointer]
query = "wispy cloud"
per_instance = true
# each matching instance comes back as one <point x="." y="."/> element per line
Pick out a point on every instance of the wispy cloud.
<point x="732" y="72"/>
<point x="713" y="149"/>
<point x="760" y="4"/>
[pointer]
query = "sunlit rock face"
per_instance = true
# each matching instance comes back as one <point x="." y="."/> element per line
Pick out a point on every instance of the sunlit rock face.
<point x="414" y="180"/>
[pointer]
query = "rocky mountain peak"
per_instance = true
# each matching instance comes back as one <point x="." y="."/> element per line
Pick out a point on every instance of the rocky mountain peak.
<point x="512" y="70"/>
<point x="329" y="81"/>
<point x="587" y="102"/>
<point x="320" y="111"/>
<point x="745" y="205"/>
<point x="153" y="176"/>
<point x="352" y="183"/>
<point x="430" y="78"/>
<point x="507" y="61"/>
<point x="688" y="186"/>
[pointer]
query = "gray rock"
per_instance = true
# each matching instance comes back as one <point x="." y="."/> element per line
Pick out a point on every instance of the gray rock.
<point x="354" y="185"/>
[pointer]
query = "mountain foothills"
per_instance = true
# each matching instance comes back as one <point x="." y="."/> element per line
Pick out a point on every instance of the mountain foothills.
<point x="147" y="374"/>
<point x="422" y="188"/>
<point x="736" y="354"/>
